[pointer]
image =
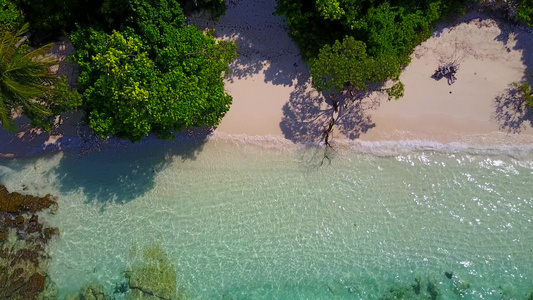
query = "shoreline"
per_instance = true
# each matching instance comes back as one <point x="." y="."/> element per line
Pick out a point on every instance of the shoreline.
<point x="487" y="144"/>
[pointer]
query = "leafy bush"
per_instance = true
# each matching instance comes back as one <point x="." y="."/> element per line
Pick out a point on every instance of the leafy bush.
<point x="154" y="75"/>
<point x="10" y="16"/>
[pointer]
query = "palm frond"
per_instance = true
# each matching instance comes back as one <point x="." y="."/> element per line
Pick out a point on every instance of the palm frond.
<point x="7" y="123"/>
<point x="26" y="81"/>
<point x="6" y="47"/>
<point x="22" y="91"/>
<point x="41" y="55"/>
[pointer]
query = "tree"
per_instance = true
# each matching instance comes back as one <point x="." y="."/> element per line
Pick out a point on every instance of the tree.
<point x="395" y="27"/>
<point x="10" y="16"/>
<point x="154" y="75"/>
<point x="348" y="64"/>
<point x="524" y="11"/>
<point x="27" y="84"/>
<point x="524" y="91"/>
<point x="52" y="17"/>
<point x="344" y="67"/>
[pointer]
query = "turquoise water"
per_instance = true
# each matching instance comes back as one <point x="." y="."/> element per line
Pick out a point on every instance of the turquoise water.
<point x="259" y="220"/>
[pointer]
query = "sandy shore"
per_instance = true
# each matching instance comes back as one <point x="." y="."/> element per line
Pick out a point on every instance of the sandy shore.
<point x="272" y="95"/>
<point x="271" y="92"/>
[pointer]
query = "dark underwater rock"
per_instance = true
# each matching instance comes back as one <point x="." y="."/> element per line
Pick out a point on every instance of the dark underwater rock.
<point x="448" y="275"/>
<point x="50" y="232"/>
<point x="93" y="291"/>
<point x="23" y="263"/>
<point x="18" y="203"/>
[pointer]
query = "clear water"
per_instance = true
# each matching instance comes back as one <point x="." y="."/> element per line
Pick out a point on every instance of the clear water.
<point x="249" y="220"/>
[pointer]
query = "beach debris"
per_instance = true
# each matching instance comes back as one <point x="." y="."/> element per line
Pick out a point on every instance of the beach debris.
<point x="448" y="71"/>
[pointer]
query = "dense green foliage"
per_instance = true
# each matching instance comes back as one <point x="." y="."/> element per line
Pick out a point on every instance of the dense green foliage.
<point x="524" y="91"/>
<point x="388" y="27"/>
<point x="26" y="83"/>
<point x="348" y="63"/>
<point x="354" y="42"/>
<point x="10" y="16"/>
<point x="524" y="10"/>
<point x="51" y="17"/>
<point x="154" y="75"/>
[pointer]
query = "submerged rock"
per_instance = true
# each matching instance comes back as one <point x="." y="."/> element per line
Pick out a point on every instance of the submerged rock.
<point x="23" y="263"/>
<point x="155" y="278"/>
<point x="507" y="291"/>
<point x="422" y="288"/>
<point x="448" y="275"/>
<point x="460" y="287"/>
<point x="50" y="232"/>
<point x="93" y="291"/>
<point x="18" y="203"/>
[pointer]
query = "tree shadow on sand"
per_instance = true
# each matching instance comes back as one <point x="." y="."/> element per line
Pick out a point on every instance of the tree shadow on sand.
<point x="512" y="112"/>
<point x="263" y="42"/>
<point x="307" y="113"/>
<point x="119" y="172"/>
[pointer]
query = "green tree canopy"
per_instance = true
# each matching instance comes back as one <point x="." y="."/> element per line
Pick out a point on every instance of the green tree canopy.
<point x="396" y="26"/>
<point x="10" y="16"/>
<point x="27" y="84"/>
<point x="348" y="63"/>
<point x="52" y="17"/>
<point x="154" y="75"/>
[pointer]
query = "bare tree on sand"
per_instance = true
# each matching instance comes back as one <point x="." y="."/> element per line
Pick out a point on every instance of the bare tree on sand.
<point x="448" y="66"/>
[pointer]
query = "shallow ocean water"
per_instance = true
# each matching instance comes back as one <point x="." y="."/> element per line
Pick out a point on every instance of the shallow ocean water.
<point x="251" y="220"/>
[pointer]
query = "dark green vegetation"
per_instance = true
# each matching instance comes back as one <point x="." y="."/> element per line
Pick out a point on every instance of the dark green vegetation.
<point x="154" y="75"/>
<point x="10" y="17"/>
<point x="23" y="240"/>
<point x="49" y="17"/>
<point x="27" y="83"/>
<point x="524" y="91"/>
<point x="524" y="9"/>
<point x="143" y="68"/>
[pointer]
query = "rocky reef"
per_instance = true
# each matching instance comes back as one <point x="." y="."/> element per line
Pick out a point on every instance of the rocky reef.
<point x="422" y="288"/>
<point x="23" y="240"/>
<point x="155" y="278"/>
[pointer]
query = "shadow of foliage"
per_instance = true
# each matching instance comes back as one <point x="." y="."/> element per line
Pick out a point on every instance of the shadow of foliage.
<point x="263" y="45"/>
<point x="512" y="112"/>
<point x="122" y="172"/>
<point x="307" y="113"/>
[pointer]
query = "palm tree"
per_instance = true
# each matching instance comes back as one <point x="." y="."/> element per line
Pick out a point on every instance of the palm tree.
<point x="27" y="84"/>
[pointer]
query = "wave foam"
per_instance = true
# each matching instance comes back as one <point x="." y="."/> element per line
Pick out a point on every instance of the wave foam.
<point x="387" y="148"/>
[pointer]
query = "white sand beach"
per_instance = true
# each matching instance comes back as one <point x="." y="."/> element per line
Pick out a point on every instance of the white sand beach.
<point x="272" y="95"/>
